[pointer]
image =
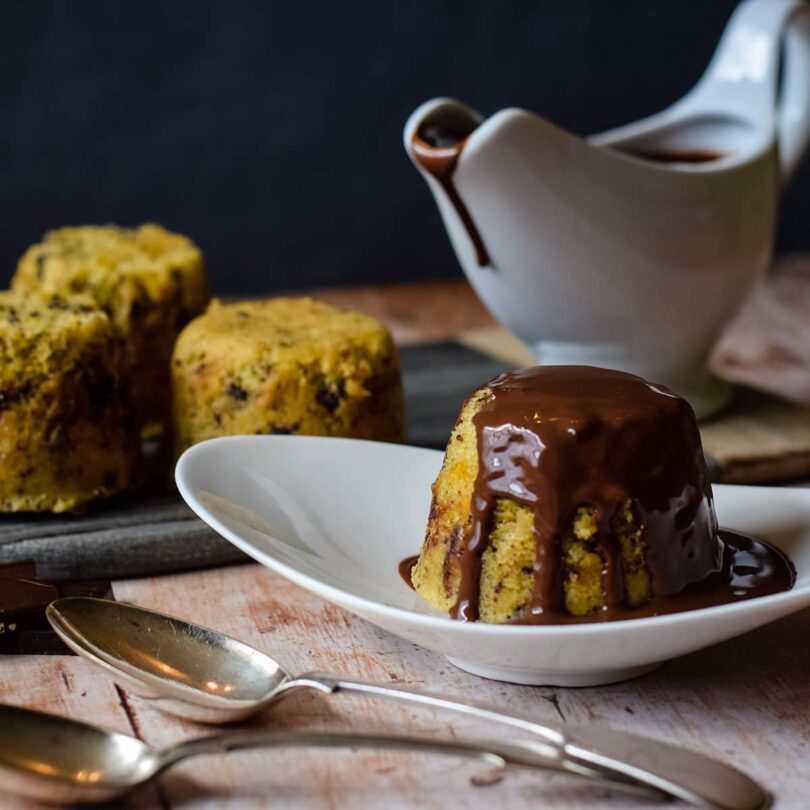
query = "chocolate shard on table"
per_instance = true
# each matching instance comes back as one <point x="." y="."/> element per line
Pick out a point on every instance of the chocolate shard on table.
<point x="33" y="642"/>
<point x="26" y="569"/>
<point x="98" y="589"/>
<point x="24" y="628"/>
<point x="23" y="603"/>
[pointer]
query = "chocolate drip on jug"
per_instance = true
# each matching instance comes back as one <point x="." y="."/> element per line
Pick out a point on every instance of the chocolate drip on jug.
<point x="437" y="146"/>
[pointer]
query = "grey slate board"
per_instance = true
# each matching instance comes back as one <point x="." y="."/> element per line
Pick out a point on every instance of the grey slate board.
<point x="437" y="377"/>
<point x="141" y="536"/>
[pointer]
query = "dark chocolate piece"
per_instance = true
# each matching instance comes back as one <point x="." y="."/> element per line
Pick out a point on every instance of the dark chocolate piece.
<point x="24" y="628"/>
<point x="236" y="392"/>
<point x="33" y="642"/>
<point x="327" y="397"/>
<point x="23" y="603"/>
<point x="25" y="569"/>
<point x="99" y="589"/>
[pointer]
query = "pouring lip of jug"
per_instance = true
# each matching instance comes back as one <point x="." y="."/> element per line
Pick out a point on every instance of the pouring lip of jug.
<point x="431" y="109"/>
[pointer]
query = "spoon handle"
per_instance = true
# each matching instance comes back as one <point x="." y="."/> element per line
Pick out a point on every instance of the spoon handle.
<point x="616" y="755"/>
<point x="499" y="754"/>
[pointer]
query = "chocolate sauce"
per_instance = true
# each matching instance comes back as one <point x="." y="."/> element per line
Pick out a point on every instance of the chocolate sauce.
<point x="676" y="156"/>
<point x="751" y="568"/>
<point x="437" y="145"/>
<point x="555" y="438"/>
<point x="406" y="568"/>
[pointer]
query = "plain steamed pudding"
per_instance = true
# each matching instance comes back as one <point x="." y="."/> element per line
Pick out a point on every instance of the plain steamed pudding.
<point x="285" y="365"/>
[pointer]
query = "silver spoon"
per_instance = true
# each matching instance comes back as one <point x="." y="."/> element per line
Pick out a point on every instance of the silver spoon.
<point x="55" y="759"/>
<point x="199" y="673"/>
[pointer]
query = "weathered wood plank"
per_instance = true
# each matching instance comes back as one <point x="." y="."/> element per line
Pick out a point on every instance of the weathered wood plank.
<point x="72" y="687"/>
<point x="745" y="701"/>
<point x="436" y="310"/>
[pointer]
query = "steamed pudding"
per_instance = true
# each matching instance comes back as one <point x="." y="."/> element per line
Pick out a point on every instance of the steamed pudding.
<point x="568" y="491"/>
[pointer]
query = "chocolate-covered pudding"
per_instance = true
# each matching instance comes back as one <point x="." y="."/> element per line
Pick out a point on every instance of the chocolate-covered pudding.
<point x="571" y="493"/>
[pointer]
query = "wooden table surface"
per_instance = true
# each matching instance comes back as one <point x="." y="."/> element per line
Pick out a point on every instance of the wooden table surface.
<point x="746" y="701"/>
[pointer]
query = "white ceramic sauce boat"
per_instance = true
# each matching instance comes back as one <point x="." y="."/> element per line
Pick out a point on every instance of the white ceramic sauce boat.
<point x="603" y="251"/>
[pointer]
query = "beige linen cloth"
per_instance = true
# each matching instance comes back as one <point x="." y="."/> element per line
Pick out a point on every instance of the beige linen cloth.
<point x="767" y="346"/>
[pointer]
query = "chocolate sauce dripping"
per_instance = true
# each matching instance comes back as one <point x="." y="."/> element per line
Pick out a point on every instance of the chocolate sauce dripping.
<point x="612" y="574"/>
<point x="437" y="145"/>
<point x="406" y="569"/>
<point x="556" y="438"/>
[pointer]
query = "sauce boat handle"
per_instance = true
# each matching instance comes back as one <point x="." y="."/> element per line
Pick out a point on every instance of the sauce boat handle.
<point x="794" y="110"/>
<point x="743" y="77"/>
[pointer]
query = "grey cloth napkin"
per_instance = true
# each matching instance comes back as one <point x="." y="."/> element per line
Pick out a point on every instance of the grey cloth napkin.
<point x="154" y="535"/>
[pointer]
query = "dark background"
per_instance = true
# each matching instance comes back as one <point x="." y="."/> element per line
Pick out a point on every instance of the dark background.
<point x="270" y="132"/>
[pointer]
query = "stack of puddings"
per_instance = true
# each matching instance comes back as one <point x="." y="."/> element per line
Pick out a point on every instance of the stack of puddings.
<point x="90" y="366"/>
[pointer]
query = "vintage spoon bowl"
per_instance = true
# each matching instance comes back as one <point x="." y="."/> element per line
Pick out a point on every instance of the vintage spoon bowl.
<point x="199" y="673"/>
<point x="51" y="758"/>
<point x="186" y="669"/>
<point x="55" y="759"/>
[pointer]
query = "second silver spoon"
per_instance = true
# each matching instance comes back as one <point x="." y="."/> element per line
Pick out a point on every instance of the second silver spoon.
<point x="56" y="759"/>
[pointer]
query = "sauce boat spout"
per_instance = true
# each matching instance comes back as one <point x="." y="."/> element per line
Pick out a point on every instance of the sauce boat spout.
<point x="434" y="136"/>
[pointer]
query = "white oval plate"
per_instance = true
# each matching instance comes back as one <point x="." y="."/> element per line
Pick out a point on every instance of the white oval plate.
<point x="336" y="516"/>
